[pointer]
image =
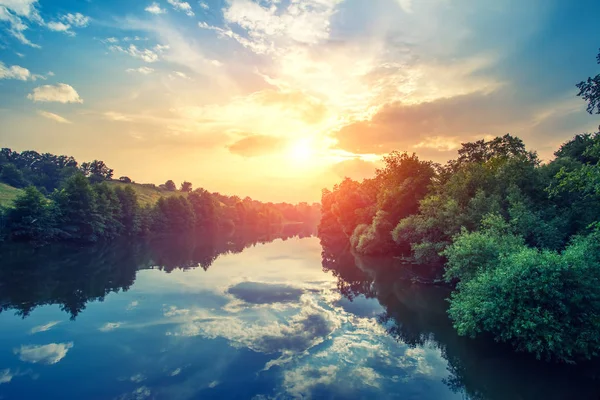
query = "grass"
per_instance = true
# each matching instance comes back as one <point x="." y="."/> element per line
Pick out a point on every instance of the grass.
<point x="8" y="194"/>
<point x="146" y="195"/>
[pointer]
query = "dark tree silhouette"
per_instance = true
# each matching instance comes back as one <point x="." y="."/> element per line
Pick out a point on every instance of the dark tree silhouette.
<point x="186" y="186"/>
<point x="170" y="186"/>
<point x="589" y="90"/>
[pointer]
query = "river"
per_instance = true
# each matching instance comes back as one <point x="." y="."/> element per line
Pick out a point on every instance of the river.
<point x="244" y="318"/>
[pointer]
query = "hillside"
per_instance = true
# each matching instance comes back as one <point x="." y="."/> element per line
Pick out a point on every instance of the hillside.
<point x="147" y="195"/>
<point x="8" y="194"/>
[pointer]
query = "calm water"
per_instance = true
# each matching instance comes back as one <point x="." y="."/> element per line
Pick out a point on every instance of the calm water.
<point x="243" y="318"/>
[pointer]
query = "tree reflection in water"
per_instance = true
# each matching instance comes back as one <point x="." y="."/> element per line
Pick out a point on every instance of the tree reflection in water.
<point x="71" y="276"/>
<point x="415" y="314"/>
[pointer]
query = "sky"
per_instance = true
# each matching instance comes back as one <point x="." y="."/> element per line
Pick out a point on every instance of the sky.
<point x="277" y="99"/>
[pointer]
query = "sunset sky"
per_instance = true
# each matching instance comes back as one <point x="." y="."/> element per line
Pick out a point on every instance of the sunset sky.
<point x="277" y="99"/>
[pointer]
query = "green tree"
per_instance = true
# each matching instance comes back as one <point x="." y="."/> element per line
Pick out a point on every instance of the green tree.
<point x="32" y="217"/>
<point x="12" y="176"/>
<point x="131" y="214"/>
<point x="78" y="209"/>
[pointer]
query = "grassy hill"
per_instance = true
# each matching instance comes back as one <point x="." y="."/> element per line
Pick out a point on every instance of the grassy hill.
<point x="8" y="194"/>
<point x="146" y="194"/>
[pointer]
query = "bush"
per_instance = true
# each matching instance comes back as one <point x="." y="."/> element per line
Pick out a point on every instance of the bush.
<point x="541" y="302"/>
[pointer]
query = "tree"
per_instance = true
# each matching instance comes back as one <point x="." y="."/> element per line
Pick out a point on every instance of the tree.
<point x="170" y="186"/>
<point x="130" y="216"/>
<point x="186" y="187"/>
<point x="32" y="217"/>
<point x="97" y="171"/>
<point x="589" y="90"/>
<point x="12" y="176"/>
<point x="78" y="209"/>
<point x="125" y="179"/>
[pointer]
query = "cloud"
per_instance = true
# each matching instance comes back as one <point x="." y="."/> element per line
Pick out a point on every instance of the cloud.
<point x="67" y="22"/>
<point x="110" y="326"/>
<point x="256" y="145"/>
<point x="132" y="305"/>
<point x="5" y="376"/>
<point x="154" y="8"/>
<point x="146" y="55"/>
<point x="141" y="70"/>
<point x="182" y="6"/>
<point x="270" y="28"/>
<point x="61" y="93"/>
<point x="204" y="6"/>
<point x="299" y="382"/>
<point x="17" y="13"/>
<point x="17" y="72"/>
<point x="59" y="27"/>
<point x="298" y="333"/>
<point x="77" y="20"/>
<point x="406" y="5"/>
<point x="178" y="74"/>
<point x="46" y="354"/>
<point x="46" y="327"/>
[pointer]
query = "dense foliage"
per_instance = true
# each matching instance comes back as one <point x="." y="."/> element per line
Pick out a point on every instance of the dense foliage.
<point x="519" y="239"/>
<point x="65" y="201"/>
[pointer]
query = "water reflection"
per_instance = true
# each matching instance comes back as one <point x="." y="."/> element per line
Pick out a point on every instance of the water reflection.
<point x="196" y="318"/>
<point x="73" y="276"/>
<point x="415" y="314"/>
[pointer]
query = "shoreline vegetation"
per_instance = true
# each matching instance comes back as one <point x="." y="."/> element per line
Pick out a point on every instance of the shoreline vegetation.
<point x="517" y="240"/>
<point x="51" y="198"/>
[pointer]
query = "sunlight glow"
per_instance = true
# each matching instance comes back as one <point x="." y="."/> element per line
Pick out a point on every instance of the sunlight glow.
<point x="301" y="150"/>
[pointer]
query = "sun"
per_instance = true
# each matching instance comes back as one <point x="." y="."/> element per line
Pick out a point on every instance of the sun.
<point x="301" y="150"/>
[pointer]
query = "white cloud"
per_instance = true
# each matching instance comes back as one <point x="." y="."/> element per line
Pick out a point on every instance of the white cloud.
<point x="300" y="332"/>
<point x="5" y="376"/>
<point x="177" y="74"/>
<point x="77" y="20"/>
<point x="69" y="21"/>
<point x="133" y="305"/>
<point x="15" y="72"/>
<point x="61" y="93"/>
<point x="146" y="55"/>
<point x="46" y="354"/>
<point x="59" y="27"/>
<point x="49" y="325"/>
<point x="204" y="5"/>
<point x="406" y="5"/>
<point x="141" y="70"/>
<point x="182" y="6"/>
<point x="17" y="13"/>
<point x="57" y="118"/>
<point x="154" y="8"/>
<point x="300" y="381"/>
<point x="110" y="40"/>
<point x="110" y="326"/>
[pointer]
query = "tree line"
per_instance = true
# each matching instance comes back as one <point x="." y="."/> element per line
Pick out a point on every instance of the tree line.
<point x="65" y="201"/>
<point x="519" y="240"/>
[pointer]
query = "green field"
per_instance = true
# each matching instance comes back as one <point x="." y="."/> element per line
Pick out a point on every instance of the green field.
<point x="8" y="194"/>
<point x="146" y="195"/>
